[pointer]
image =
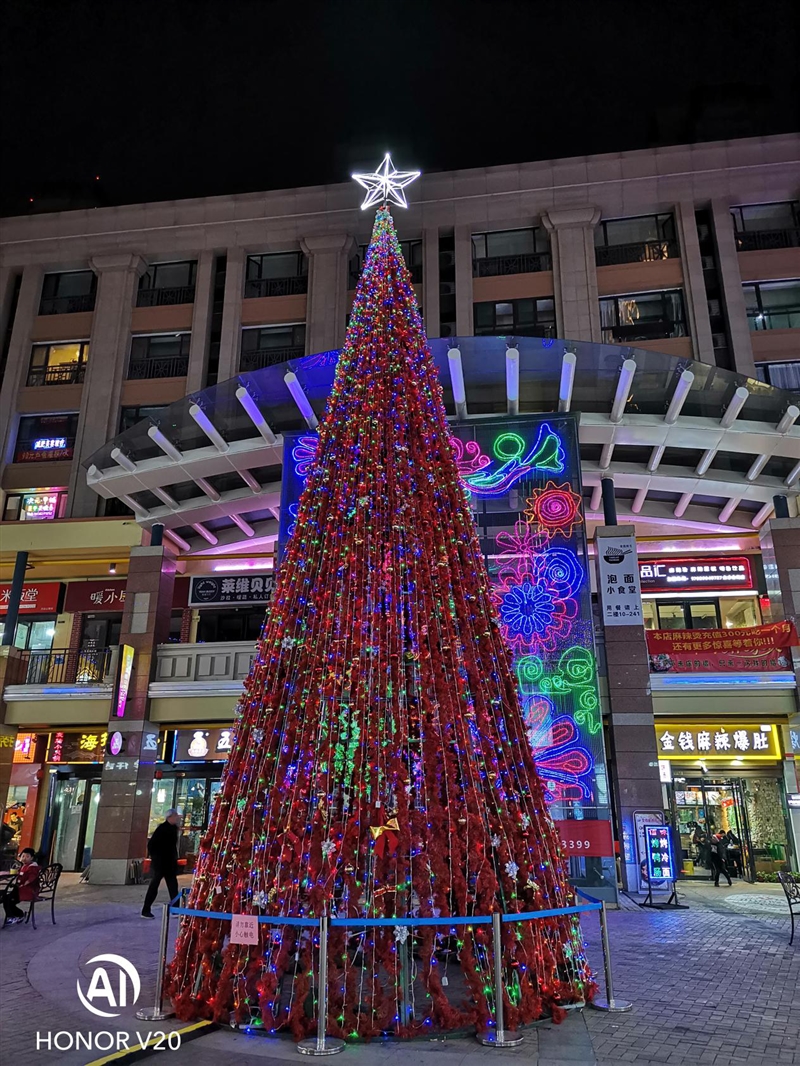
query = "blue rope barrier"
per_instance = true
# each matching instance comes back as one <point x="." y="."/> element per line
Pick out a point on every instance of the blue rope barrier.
<point x="477" y="919"/>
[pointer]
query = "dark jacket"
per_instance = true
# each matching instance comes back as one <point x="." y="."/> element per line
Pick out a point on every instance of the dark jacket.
<point x="162" y="847"/>
<point x="721" y="849"/>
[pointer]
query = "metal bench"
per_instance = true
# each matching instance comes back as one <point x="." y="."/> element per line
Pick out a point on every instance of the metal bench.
<point x="791" y="886"/>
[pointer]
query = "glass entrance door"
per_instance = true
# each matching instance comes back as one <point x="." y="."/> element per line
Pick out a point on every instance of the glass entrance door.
<point x="703" y="808"/>
<point x="69" y="804"/>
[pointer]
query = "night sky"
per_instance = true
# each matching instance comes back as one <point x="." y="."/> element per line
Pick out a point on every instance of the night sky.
<point x="176" y="99"/>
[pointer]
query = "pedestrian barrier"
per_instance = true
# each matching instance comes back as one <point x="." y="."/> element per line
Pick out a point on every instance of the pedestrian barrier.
<point x="323" y="1044"/>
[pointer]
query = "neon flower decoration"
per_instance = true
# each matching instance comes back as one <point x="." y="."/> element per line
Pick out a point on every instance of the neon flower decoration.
<point x="527" y="609"/>
<point x="303" y="454"/>
<point x="546" y="454"/>
<point x="469" y="457"/>
<point x="561" y="761"/>
<point x="555" y="509"/>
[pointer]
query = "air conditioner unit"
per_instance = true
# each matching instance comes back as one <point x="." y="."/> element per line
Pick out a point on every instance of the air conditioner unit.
<point x="447" y="288"/>
<point x="714" y="308"/>
<point x="446" y="259"/>
<point x="719" y="340"/>
<point x="708" y="262"/>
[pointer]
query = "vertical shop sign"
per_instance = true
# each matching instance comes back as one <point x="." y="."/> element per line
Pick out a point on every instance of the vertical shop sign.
<point x="619" y="583"/>
<point x="126" y="654"/>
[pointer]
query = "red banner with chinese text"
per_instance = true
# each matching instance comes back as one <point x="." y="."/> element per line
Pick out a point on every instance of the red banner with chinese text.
<point x="687" y="651"/>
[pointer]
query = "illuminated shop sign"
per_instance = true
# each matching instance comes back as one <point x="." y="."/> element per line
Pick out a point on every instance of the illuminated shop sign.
<point x="202" y="745"/>
<point x="793" y="800"/>
<point x="123" y="684"/>
<point x="658" y="852"/>
<point x="49" y="443"/>
<point x="95" y="596"/>
<point x="699" y="573"/>
<point x="239" y="589"/>
<point x="41" y="506"/>
<point x="76" y="747"/>
<point x="36" y="599"/>
<point x="728" y="741"/>
<point x="25" y="747"/>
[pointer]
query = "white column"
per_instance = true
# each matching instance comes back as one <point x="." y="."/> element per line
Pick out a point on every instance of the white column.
<point x="463" y="255"/>
<point x="731" y="283"/>
<point x="231" y="333"/>
<point x="109" y="345"/>
<point x="574" y="272"/>
<point x="694" y="287"/>
<point x="201" y="323"/>
<point x="430" y="281"/>
<point x="326" y="307"/>
<point x="19" y="354"/>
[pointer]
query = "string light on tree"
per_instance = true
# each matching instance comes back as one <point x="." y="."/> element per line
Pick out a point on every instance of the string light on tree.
<point x="380" y="747"/>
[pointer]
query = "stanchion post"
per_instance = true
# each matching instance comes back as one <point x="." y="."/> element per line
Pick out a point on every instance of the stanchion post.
<point x="499" y="1037"/>
<point x="322" y="1044"/>
<point x="608" y="1003"/>
<point x="157" y="1013"/>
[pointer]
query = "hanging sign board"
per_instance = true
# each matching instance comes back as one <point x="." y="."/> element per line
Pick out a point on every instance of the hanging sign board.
<point x="693" y="575"/>
<point x="244" y="929"/>
<point x="688" y="651"/>
<point x="126" y="654"/>
<point x="618" y="581"/>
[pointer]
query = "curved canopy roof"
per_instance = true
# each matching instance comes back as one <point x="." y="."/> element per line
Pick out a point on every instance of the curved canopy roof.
<point x="686" y="443"/>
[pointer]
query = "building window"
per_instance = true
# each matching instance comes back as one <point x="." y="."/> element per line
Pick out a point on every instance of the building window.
<point x="281" y="274"/>
<point x="643" y="316"/>
<point x="41" y="505"/>
<point x="68" y="293"/>
<point x="412" y="253"/>
<point x="760" y="227"/>
<point x="46" y="438"/>
<point x="780" y="375"/>
<point x="164" y="284"/>
<point x="635" y="240"/>
<point x="701" y="614"/>
<point x="511" y="251"/>
<point x="58" y="364"/>
<point x="159" y="355"/>
<point x="269" y="345"/>
<point x="515" y="318"/>
<point x="773" y="304"/>
<point x="131" y="416"/>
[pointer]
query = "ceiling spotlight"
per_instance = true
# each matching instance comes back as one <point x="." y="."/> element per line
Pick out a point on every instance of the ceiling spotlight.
<point x="112" y="568"/>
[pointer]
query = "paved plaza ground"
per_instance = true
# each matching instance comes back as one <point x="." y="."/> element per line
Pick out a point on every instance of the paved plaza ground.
<point x="713" y="985"/>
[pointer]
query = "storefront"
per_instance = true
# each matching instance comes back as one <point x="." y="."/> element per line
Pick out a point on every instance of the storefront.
<point x="39" y="608"/>
<point x="74" y="762"/>
<point x="230" y="607"/>
<point x="702" y="592"/>
<point x="725" y="777"/>
<point x="189" y="779"/>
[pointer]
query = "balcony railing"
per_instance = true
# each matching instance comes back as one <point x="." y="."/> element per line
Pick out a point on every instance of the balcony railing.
<point x="72" y="374"/>
<point x="261" y="357"/>
<point x="88" y="666"/>
<point x="66" y="305"/>
<point x="639" y="252"/>
<point x="176" y="366"/>
<point x="201" y="669"/>
<point x="181" y="294"/>
<point x="767" y="239"/>
<point x="497" y="265"/>
<point x="295" y="286"/>
<point x="786" y="318"/>
<point x="643" y="331"/>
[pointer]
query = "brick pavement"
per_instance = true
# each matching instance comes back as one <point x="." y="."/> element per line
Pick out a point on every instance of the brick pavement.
<point x="715" y="985"/>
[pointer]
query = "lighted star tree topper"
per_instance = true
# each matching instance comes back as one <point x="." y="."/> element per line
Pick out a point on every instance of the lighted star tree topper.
<point x="380" y="766"/>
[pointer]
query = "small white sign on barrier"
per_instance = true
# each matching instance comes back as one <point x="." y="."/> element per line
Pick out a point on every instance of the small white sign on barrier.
<point x="244" y="929"/>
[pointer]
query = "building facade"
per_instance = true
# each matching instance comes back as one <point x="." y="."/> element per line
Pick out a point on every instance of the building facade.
<point x="655" y="292"/>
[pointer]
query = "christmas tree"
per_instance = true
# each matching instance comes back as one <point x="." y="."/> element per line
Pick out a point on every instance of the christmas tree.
<point x="380" y="766"/>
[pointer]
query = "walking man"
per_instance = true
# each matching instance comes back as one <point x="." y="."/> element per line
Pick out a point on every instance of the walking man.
<point x="719" y="858"/>
<point x="162" y="848"/>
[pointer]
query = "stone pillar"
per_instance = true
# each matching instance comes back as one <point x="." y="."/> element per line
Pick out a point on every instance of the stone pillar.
<point x="109" y="348"/>
<point x="124" y="808"/>
<point x="633" y="757"/>
<point x="465" y="320"/>
<point x="780" y="552"/>
<point x="731" y="284"/>
<point x="571" y="232"/>
<point x="19" y="355"/>
<point x="230" y="342"/>
<point x="694" y="287"/>
<point x="201" y="323"/>
<point x="430" y="281"/>
<point x="326" y="310"/>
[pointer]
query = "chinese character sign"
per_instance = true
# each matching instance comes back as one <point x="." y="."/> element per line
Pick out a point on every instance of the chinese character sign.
<point x="668" y="575"/>
<point x="242" y="589"/>
<point x="687" y="651"/>
<point x="618" y="581"/>
<point x="658" y="853"/>
<point x="718" y="741"/>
